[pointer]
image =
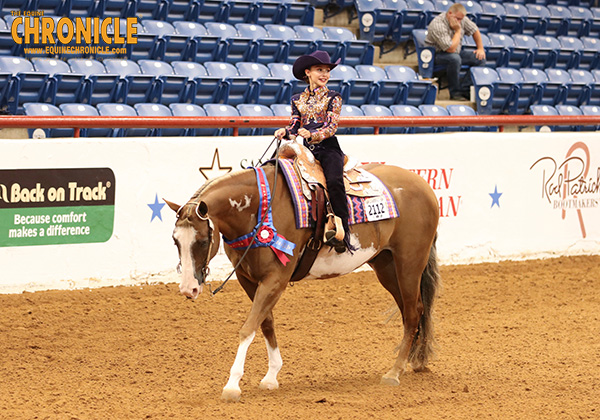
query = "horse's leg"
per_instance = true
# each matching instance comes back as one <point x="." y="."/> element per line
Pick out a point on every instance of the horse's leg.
<point x="408" y="273"/>
<point x="266" y="295"/>
<point x="268" y="329"/>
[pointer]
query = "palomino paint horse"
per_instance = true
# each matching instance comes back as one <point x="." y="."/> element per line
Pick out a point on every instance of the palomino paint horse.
<point x="401" y="251"/>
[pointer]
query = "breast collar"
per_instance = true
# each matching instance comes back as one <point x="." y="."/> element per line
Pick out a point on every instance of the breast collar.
<point x="264" y="233"/>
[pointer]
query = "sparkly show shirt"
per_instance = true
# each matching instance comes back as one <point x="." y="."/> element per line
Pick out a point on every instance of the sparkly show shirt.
<point x="317" y="111"/>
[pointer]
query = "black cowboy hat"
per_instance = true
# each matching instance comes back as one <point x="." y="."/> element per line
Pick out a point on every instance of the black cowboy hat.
<point x="305" y="61"/>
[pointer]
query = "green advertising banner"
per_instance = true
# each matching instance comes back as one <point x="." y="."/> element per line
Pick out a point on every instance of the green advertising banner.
<point x="56" y="206"/>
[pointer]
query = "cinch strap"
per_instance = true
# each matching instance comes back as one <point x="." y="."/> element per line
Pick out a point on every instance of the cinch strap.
<point x="267" y="234"/>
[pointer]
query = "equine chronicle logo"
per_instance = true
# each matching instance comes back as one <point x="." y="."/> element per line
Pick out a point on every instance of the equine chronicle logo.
<point x="56" y="206"/>
<point x="570" y="182"/>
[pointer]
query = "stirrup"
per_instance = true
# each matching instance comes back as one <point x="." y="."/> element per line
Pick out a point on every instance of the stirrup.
<point x="334" y="228"/>
<point x="334" y="233"/>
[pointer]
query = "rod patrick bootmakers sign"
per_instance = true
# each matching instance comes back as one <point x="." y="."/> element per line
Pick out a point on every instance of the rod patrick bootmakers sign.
<point x="56" y="206"/>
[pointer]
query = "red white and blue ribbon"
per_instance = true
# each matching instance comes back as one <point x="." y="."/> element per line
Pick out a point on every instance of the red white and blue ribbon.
<point x="267" y="235"/>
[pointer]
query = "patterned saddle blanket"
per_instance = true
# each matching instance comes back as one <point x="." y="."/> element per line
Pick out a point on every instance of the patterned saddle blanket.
<point x="368" y="198"/>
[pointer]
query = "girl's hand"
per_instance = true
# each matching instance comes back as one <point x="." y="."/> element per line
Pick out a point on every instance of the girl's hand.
<point x="280" y="133"/>
<point x="304" y="133"/>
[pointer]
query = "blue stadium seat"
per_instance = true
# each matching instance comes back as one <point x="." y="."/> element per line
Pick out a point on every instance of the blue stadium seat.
<point x="568" y="110"/>
<point x="354" y="90"/>
<point x="170" y="86"/>
<point x="573" y="93"/>
<point x="98" y="85"/>
<point x="417" y="14"/>
<point x="371" y="110"/>
<point x="268" y="49"/>
<point x="595" y="99"/>
<point x="190" y="110"/>
<point x="580" y="22"/>
<point x="384" y="91"/>
<point x="523" y="51"/>
<point x="62" y="85"/>
<point x="570" y="52"/>
<point x="134" y="86"/>
<point x="547" y="53"/>
<point x="398" y="31"/>
<point x="418" y="91"/>
<point x="204" y="47"/>
<point x="108" y="109"/>
<point x="353" y="111"/>
<point x="148" y="46"/>
<point x="281" y="110"/>
<point x="270" y="12"/>
<point x="307" y="40"/>
<point x="235" y="89"/>
<point x="583" y="87"/>
<point x="212" y="11"/>
<point x="559" y="20"/>
<point x="425" y="54"/>
<point x="485" y="81"/>
<point x="268" y="89"/>
<point x="8" y="46"/>
<point x="80" y="8"/>
<point x="589" y="58"/>
<point x="152" y="9"/>
<point x="255" y="110"/>
<point x="50" y="7"/>
<point x="467" y="111"/>
<point x="536" y="22"/>
<point x="242" y="11"/>
<point x="547" y="92"/>
<point x="491" y="17"/>
<point x="375" y="20"/>
<point x="297" y="13"/>
<point x="174" y="46"/>
<point x="544" y="110"/>
<point x="46" y="110"/>
<point x="500" y="49"/>
<point x="409" y="111"/>
<point x="156" y="110"/>
<point x="333" y="46"/>
<point x="84" y="110"/>
<point x="233" y="48"/>
<point x="291" y="84"/>
<point x="25" y="85"/>
<point x="119" y="8"/>
<point x="522" y="91"/>
<point x="221" y="110"/>
<point x="183" y="10"/>
<point x="200" y="88"/>
<point x="595" y="23"/>
<point x="514" y="19"/>
<point x="436" y="111"/>
<point x="590" y="110"/>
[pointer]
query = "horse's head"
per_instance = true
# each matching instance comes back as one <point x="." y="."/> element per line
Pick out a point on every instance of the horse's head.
<point x="197" y="242"/>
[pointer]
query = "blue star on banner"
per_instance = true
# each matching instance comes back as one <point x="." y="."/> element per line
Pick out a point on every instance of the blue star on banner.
<point x="495" y="197"/>
<point x="156" y="207"/>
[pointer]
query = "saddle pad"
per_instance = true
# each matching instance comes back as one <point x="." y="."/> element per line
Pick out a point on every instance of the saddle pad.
<point x="360" y="209"/>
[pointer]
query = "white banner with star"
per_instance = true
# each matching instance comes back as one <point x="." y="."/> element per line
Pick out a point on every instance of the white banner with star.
<point x="501" y="196"/>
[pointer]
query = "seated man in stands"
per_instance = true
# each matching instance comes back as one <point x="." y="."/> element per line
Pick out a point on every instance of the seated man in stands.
<point x="445" y="33"/>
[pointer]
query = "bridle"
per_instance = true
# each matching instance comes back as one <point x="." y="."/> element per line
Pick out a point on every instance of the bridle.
<point x="205" y="270"/>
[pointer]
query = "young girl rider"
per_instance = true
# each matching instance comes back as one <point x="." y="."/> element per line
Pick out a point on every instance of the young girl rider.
<point x="315" y="116"/>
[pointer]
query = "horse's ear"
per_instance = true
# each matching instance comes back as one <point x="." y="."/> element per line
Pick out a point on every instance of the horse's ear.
<point x="202" y="209"/>
<point x="173" y="206"/>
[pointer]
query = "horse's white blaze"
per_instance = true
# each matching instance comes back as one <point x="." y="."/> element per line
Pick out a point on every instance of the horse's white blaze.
<point x="237" y="370"/>
<point x="329" y="262"/>
<point x="275" y="363"/>
<point x="186" y="235"/>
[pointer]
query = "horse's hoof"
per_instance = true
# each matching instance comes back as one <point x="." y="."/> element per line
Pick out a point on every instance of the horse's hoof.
<point x="390" y="381"/>
<point x="231" y="395"/>
<point x="268" y="385"/>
